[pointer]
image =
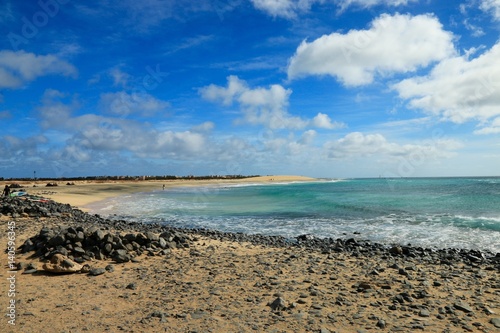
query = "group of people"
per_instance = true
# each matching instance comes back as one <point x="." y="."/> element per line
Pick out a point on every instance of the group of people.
<point x="6" y="191"/>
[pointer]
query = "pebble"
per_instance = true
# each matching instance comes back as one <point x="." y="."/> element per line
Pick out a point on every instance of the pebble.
<point x="462" y="306"/>
<point x="278" y="304"/>
<point x="424" y="313"/>
<point x="97" y="271"/>
<point x="495" y="322"/>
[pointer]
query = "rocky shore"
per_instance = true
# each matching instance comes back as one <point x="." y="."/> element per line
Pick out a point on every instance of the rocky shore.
<point x="148" y="277"/>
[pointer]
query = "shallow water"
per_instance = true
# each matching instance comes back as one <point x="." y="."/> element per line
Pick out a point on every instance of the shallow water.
<point x="427" y="212"/>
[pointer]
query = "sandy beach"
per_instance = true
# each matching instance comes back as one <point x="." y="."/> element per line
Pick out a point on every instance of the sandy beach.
<point x="217" y="285"/>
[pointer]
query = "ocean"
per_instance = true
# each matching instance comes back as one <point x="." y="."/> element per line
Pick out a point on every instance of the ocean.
<point x="426" y="212"/>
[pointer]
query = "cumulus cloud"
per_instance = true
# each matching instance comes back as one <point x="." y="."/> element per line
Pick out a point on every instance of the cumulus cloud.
<point x="323" y="121"/>
<point x="458" y="89"/>
<point x="19" y="67"/>
<point x="123" y="103"/>
<point x="392" y="44"/>
<point x="263" y="106"/>
<point x="491" y="6"/>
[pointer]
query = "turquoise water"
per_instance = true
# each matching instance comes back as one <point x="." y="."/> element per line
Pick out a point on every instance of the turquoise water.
<point x="428" y="212"/>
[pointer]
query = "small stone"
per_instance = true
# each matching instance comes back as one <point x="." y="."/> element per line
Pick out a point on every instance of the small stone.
<point x="80" y="236"/>
<point x="364" y="286"/>
<point x="22" y="266"/>
<point x="132" y="286"/>
<point x="97" y="271"/>
<point x="463" y="307"/>
<point x="110" y="268"/>
<point x="278" y="304"/>
<point x="121" y="257"/>
<point x="495" y="322"/>
<point x="30" y="271"/>
<point x="79" y="250"/>
<point x="31" y="266"/>
<point x="424" y="313"/>
<point x="86" y="268"/>
<point x="396" y="250"/>
<point x="152" y="237"/>
<point x="381" y="323"/>
<point x="61" y="264"/>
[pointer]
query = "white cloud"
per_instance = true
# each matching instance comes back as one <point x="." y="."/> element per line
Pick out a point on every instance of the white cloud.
<point x="122" y="103"/>
<point x="18" y="68"/>
<point x="289" y="9"/>
<point x="491" y="6"/>
<point x="206" y="127"/>
<point x="370" y="3"/>
<point x="491" y="128"/>
<point x="357" y="144"/>
<point x="393" y="44"/>
<point x="263" y="106"/>
<point x="25" y="146"/>
<point x="284" y="8"/>
<point x="307" y="137"/>
<point x="458" y="89"/>
<point x="215" y="93"/>
<point x="475" y="30"/>
<point x="90" y="132"/>
<point x="323" y="121"/>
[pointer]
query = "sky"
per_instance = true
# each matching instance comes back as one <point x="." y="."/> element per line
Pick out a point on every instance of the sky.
<point x="321" y="88"/>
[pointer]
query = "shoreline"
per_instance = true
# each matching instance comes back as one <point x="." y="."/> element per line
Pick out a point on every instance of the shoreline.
<point x="83" y="193"/>
<point x="234" y="282"/>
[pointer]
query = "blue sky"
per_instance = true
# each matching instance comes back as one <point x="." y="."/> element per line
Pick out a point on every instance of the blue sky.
<point x="323" y="88"/>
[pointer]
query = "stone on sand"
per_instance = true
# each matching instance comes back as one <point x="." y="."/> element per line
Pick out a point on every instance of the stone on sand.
<point x="61" y="264"/>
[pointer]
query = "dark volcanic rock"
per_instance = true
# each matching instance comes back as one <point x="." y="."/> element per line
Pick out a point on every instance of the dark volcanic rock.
<point x="278" y="304"/>
<point x="97" y="271"/>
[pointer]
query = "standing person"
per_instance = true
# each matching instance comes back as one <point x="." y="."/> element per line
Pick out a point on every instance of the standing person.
<point x="6" y="191"/>
<point x="164" y="187"/>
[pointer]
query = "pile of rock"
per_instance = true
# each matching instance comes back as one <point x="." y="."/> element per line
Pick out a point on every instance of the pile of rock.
<point x="17" y="207"/>
<point x="83" y="244"/>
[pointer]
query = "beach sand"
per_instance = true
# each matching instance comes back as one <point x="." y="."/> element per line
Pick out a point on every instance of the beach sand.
<point x="222" y="286"/>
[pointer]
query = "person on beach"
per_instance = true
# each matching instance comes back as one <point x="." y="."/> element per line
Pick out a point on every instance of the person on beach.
<point x="6" y="191"/>
<point x="164" y="187"/>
